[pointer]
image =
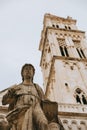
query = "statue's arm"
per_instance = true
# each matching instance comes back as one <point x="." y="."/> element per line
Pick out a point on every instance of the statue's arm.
<point x="8" y="97"/>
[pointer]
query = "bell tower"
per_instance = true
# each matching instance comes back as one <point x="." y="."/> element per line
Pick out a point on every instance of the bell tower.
<point x="64" y="67"/>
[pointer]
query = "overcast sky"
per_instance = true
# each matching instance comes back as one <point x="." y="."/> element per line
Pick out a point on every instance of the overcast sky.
<point x="21" y="23"/>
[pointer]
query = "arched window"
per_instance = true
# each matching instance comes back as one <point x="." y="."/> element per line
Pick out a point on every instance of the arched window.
<point x="80" y="96"/>
<point x="64" y="51"/>
<point x="84" y="99"/>
<point x="78" y="99"/>
<point x="79" y="48"/>
<point x="63" y="47"/>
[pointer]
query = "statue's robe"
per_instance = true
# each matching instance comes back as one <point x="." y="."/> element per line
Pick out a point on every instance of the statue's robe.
<point x="24" y="107"/>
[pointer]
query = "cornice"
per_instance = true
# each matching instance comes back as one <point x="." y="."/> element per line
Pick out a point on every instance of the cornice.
<point x="53" y="17"/>
<point x="72" y="114"/>
<point x="69" y="58"/>
<point x="66" y="30"/>
<point x="51" y="28"/>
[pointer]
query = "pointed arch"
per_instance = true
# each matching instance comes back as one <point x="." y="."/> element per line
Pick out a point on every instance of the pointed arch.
<point x="80" y="96"/>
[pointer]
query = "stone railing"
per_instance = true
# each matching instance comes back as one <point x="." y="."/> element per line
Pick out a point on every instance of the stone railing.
<point x="75" y="108"/>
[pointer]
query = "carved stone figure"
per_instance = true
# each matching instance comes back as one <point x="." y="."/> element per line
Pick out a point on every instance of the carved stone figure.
<point x="4" y="123"/>
<point x="26" y="105"/>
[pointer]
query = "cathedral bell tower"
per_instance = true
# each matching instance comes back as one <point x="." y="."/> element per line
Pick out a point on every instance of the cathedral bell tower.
<point x="64" y="67"/>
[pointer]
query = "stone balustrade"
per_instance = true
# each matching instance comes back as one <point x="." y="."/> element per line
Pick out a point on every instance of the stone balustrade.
<point x="75" y="108"/>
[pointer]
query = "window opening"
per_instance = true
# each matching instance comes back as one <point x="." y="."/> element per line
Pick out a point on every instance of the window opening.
<point x="84" y="99"/>
<point x="63" y="48"/>
<point x="79" y="48"/>
<point x="80" y="96"/>
<point x="78" y="52"/>
<point x="62" y="51"/>
<point x="82" y="53"/>
<point x="78" y="99"/>
<point x="53" y="25"/>
<point x="69" y="28"/>
<point x="66" y="84"/>
<point x="66" y="51"/>
<point x="57" y="26"/>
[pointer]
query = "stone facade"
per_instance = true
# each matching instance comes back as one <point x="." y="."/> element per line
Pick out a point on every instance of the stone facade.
<point x="64" y="69"/>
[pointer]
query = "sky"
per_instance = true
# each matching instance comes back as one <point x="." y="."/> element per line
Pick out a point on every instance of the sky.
<point x="21" y="23"/>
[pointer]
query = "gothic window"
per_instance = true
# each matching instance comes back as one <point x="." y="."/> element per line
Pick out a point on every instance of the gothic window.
<point x="78" y="99"/>
<point x="79" y="52"/>
<point x="79" y="49"/>
<point x="64" y="51"/>
<point x="80" y="96"/>
<point x="82" y="53"/>
<point x="63" y="48"/>
<point x="84" y="99"/>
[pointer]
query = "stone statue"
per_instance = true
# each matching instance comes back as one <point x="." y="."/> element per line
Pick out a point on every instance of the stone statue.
<point x="26" y="104"/>
<point x="4" y="125"/>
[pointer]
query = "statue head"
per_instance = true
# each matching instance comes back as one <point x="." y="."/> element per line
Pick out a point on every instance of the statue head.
<point x="28" y="66"/>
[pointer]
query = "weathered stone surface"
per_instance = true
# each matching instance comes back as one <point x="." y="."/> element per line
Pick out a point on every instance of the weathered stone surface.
<point x="4" y="125"/>
<point x="28" y="109"/>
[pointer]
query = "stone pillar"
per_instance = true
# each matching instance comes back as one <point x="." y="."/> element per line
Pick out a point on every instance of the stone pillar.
<point x="53" y="42"/>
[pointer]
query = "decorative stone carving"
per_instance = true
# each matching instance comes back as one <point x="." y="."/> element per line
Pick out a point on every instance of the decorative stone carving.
<point x="28" y="109"/>
<point x="4" y="123"/>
